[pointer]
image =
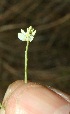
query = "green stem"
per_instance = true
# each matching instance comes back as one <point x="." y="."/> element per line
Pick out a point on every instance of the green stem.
<point x="1" y="106"/>
<point x="26" y="59"/>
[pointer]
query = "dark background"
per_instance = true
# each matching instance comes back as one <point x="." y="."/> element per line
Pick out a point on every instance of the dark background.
<point x="49" y="52"/>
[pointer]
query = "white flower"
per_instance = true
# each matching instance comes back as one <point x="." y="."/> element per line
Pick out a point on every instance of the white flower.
<point x="27" y="36"/>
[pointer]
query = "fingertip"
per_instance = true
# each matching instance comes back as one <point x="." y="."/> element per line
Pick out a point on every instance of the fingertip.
<point x="34" y="99"/>
<point x="11" y="88"/>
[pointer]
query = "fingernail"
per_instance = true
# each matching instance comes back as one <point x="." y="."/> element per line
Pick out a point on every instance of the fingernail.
<point x="63" y="110"/>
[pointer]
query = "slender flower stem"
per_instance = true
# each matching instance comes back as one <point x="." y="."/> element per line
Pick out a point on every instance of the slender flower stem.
<point x="26" y="59"/>
<point x="27" y="36"/>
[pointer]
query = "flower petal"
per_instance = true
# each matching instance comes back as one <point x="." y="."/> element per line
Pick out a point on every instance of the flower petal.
<point x="22" y="31"/>
<point x="31" y="38"/>
<point x="34" y="32"/>
<point x="21" y="37"/>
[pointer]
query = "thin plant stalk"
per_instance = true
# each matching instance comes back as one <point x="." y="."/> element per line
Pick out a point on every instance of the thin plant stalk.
<point x="28" y="37"/>
<point x="26" y="59"/>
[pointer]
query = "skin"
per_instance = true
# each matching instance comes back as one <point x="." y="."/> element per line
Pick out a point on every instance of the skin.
<point x="32" y="98"/>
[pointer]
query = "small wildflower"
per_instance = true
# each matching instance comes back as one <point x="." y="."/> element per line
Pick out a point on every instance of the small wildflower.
<point x="27" y="36"/>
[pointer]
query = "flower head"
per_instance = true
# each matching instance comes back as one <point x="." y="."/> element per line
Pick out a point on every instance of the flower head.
<point x="27" y="36"/>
